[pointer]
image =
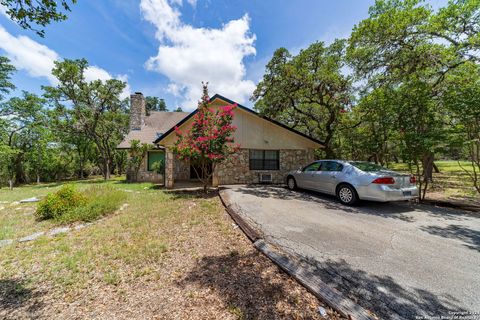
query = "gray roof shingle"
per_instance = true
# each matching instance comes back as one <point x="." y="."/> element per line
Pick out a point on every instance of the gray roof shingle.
<point x="156" y="124"/>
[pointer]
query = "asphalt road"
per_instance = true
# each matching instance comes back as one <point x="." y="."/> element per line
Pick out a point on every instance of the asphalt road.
<point x="399" y="260"/>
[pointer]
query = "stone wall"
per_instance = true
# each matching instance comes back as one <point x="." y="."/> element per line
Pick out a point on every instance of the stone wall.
<point x="181" y="169"/>
<point x="237" y="170"/>
<point x="146" y="176"/>
<point x="137" y="111"/>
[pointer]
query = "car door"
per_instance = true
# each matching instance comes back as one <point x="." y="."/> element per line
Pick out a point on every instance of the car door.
<point x="326" y="179"/>
<point x="306" y="178"/>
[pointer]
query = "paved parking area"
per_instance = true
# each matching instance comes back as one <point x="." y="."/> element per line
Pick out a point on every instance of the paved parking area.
<point x="398" y="259"/>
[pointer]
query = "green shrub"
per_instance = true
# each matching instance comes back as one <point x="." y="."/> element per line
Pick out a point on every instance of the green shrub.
<point x="68" y="205"/>
<point x="60" y="203"/>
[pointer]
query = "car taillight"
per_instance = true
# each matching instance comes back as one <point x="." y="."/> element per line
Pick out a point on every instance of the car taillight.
<point x="413" y="179"/>
<point x="384" y="180"/>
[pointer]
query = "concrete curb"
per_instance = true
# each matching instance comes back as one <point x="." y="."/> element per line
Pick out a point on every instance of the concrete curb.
<point x="292" y="266"/>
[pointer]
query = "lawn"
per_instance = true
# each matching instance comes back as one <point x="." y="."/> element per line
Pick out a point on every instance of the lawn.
<point x="166" y="255"/>
<point x="451" y="182"/>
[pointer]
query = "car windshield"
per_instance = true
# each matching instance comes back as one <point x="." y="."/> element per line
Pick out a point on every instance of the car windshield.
<point x="367" y="166"/>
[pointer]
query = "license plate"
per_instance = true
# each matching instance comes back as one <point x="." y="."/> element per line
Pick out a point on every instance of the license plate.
<point x="407" y="193"/>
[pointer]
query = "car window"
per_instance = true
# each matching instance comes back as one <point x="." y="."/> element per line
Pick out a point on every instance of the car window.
<point x="312" y="167"/>
<point x="331" y="166"/>
<point x="367" y="166"/>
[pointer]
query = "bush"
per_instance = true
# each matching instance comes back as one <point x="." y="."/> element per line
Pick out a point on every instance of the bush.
<point x="60" y="203"/>
<point x="101" y="200"/>
<point x="68" y="205"/>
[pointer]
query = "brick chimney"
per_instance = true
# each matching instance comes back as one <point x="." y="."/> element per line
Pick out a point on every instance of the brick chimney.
<point x="137" y="111"/>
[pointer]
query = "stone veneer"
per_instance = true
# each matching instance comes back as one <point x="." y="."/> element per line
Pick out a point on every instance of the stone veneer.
<point x="137" y="111"/>
<point x="147" y="176"/>
<point x="237" y="170"/>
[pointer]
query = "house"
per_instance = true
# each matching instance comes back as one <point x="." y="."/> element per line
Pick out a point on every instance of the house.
<point x="268" y="149"/>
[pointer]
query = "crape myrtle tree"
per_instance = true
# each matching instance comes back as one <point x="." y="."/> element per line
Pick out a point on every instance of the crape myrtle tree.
<point x="93" y="109"/>
<point x="209" y="141"/>
<point x="307" y="92"/>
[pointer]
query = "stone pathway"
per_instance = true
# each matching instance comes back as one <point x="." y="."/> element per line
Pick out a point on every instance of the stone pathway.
<point x="56" y="231"/>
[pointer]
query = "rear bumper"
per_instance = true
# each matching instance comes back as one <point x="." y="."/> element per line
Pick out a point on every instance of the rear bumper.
<point x="385" y="193"/>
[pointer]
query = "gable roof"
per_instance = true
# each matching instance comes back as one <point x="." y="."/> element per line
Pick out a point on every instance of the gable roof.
<point x="156" y="124"/>
<point x="217" y="96"/>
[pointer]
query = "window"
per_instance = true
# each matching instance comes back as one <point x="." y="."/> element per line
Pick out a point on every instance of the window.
<point x="331" y="166"/>
<point x="156" y="157"/>
<point x="367" y="166"/>
<point x="264" y="160"/>
<point x="312" y="167"/>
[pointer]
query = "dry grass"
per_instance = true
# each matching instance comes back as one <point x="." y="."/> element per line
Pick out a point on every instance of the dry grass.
<point x="166" y="256"/>
<point x="452" y="183"/>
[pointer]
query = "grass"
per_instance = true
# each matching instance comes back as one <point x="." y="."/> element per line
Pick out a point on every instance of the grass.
<point x="452" y="181"/>
<point x="161" y="257"/>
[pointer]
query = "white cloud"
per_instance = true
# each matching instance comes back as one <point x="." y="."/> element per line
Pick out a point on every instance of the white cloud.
<point x="28" y="55"/>
<point x="189" y="55"/>
<point x="38" y="60"/>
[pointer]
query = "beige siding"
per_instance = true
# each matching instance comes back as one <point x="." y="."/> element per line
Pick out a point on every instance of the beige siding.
<point x="253" y="132"/>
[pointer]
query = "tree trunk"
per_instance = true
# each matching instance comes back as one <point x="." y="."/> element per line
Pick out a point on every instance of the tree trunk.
<point x="10" y="184"/>
<point x="38" y="178"/>
<point x="106" y="169"/>
<point x="329" y="153"/>
<point x="435" y="168"/>
<point x="427" y="163"/>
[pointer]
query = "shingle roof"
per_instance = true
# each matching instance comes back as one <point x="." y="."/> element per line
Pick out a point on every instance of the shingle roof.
<point x="157" y="123"/>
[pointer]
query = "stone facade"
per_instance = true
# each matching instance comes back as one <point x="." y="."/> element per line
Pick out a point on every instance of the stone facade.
<point x="146" y="176"/>
<point x="181" y="169"/>
<point x="237" y="170"/>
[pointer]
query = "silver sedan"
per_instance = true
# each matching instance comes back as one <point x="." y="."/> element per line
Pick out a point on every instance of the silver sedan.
<point x="351" y="181"/>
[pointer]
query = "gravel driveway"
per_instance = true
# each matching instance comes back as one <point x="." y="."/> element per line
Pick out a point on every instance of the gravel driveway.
<point x="398" y="259"/>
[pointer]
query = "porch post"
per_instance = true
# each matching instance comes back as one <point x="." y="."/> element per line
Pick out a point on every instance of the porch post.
<point x="169" y="168"/>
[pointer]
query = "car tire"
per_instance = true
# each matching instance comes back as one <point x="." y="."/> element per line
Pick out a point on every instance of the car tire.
<point x="347" y="195"/>
<point x="291" y="183"/>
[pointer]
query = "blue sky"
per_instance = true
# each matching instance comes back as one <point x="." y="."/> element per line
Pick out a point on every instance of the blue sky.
<point x="166" y="48"/>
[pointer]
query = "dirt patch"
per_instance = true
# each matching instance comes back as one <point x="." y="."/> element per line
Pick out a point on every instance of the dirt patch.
<point x="465" y="203"/>
<point x="204" y="268"/>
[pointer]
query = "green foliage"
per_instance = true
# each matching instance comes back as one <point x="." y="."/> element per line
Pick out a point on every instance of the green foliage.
<point x="68" y="205"/>
<point x="404" y="53"/>
<point x="6" y="70"/>
<point x="60" y="203"/>
<point x="155" y="104"/>
<point x="97" y="113"/>
<point x="100" y="201"/>
<point x="41" y="13"/>
<point x="158" y="166"/>
<point x="137" y="153"/>
<point x="308" y="91"/>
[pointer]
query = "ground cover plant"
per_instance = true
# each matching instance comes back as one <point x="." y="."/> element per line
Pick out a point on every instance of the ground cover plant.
<point x="69" y="205"/>
<point x="167" y="255"/>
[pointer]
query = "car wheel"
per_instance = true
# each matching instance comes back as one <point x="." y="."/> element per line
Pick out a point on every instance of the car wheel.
<point x="291" y="183"/>
<point x="347" y="195"/>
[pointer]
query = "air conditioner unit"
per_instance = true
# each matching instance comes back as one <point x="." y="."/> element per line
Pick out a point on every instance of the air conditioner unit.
<point x="266" y="178"/>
